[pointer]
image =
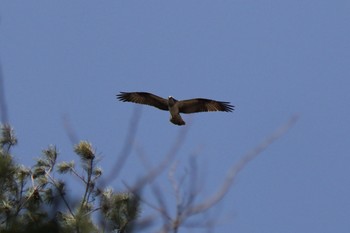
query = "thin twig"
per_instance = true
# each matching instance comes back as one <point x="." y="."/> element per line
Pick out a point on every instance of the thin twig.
<point x="77" y="175"/>
<point x="88" y="183"/>
<point x="61" y="194"/>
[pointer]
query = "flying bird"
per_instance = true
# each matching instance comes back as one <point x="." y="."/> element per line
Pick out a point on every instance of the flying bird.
<point x="175" y="107"/>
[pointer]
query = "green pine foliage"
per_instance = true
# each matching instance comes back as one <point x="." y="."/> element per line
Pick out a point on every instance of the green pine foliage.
<point x="35" y="200"/>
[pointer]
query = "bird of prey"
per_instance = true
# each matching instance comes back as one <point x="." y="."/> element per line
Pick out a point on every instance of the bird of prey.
<point x="175" y="107"/>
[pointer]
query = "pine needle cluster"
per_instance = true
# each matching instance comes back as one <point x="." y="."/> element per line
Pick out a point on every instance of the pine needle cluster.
<point x="33" y="199"/>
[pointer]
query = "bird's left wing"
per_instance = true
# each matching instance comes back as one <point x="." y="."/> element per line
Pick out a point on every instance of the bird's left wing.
<point x="204" y="105"/>
<point x="144" y="98"/>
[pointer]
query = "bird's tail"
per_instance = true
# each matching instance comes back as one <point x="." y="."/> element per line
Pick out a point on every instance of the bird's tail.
<point x="177" y="120"/>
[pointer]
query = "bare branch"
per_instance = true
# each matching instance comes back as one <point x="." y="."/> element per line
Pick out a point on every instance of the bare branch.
<point x="194" y="187"/>
<point x="235" y="169"/>
<point x="185" y="206"/>
<point x="154" y="188"/>
<point x="72" y="135"/>
<point x="3" y="105"/>
<point x="153" y="173"/>
<point x="125" y="152"/>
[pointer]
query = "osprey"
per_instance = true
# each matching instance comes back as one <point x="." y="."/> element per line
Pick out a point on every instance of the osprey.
<point x="175" y="107"/>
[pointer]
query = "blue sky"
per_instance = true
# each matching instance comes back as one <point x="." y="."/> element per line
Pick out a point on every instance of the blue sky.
<point x="271" y="59"/>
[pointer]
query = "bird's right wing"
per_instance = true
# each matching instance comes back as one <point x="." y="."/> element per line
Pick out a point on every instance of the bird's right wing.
<point x="204" y="105"/>
<point x="144" y="98"/>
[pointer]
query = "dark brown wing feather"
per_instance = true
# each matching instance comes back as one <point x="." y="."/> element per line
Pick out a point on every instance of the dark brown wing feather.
<point x="204" y="105"/>
<point x="144" y="98"/>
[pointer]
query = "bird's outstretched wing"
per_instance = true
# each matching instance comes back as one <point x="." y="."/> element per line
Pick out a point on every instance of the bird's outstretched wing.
<point x="144" y="98"/>
<point x="204" y="105"/>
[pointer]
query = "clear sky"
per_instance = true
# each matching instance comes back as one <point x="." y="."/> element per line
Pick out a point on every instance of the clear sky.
<point x="271" y="59"/>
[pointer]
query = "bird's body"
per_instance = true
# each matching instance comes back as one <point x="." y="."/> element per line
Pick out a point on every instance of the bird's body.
<point x="174" y="106"/>
<point x="174" y="110"/>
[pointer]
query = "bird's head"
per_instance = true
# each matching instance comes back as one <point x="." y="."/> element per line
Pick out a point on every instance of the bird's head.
<point x="171" y="100"/>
